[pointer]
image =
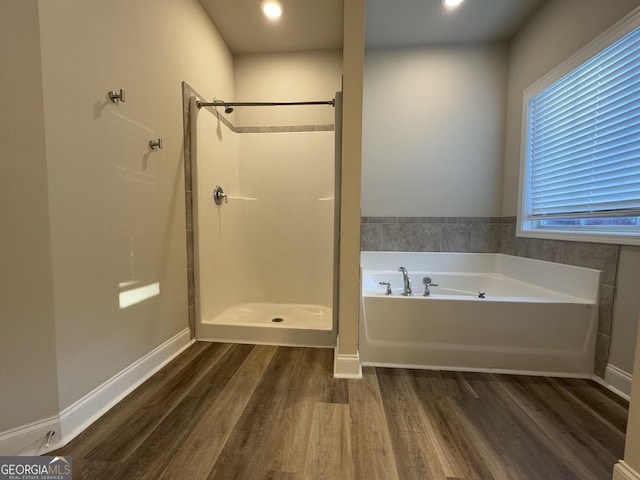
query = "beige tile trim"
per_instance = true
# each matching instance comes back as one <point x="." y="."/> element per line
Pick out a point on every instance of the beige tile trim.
<point x="286" y="128"/>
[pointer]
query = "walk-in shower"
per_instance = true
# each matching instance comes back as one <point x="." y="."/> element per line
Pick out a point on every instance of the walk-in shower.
<point x="264" y="239"/>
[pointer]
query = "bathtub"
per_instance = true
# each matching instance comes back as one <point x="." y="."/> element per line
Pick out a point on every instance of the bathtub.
<point x="489" y="312"/>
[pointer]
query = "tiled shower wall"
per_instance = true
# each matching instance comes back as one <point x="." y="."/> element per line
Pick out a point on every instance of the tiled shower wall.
<point x="498" y="235"/>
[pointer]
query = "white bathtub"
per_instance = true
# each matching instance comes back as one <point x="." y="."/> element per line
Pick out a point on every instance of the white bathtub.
<point x="536" y="317"/>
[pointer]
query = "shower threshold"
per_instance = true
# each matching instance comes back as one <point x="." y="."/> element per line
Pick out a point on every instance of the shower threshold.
<point x="271" y="324"/>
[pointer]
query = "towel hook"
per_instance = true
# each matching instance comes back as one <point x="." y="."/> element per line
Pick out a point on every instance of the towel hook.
<point x="48" y="437"/>
<point x="116" y="96"/>
<point x="154" y="144"/>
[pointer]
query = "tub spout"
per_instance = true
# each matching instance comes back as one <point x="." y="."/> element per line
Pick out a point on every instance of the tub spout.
<point x="407" y="283"/>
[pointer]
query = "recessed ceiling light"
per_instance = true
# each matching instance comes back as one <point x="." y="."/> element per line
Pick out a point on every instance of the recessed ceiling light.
<point x="272" y="9"/>
<point x="451" y="3"/>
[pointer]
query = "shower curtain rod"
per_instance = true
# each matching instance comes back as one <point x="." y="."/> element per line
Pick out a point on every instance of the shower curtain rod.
<point x="200" y="104"/>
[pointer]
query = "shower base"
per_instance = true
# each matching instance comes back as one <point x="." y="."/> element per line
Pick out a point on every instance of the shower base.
<point x="271" y="324"/>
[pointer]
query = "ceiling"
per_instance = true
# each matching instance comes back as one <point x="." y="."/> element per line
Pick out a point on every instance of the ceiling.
<point x="305" y="25"/>
<point x="395" y="23"/>
<point x="317" y="24"/>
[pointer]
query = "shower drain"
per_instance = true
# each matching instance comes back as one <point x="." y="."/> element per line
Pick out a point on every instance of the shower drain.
<point x="277" y="320"/>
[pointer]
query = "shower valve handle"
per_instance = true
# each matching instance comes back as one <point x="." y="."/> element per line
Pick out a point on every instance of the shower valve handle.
<point x="219" y="196"/>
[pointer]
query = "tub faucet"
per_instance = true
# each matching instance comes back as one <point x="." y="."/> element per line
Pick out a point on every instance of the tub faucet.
<point x="407" y="283"/>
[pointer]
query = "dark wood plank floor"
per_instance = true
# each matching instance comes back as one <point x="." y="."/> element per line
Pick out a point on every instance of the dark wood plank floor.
<point x="222" y="411"/>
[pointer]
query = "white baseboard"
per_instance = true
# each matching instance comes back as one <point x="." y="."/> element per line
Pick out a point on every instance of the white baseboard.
<point x="606" y="385"/>
<point x="70" y="422"/>
<point x="346" y="365"/>
<point x="622" y="471"/>
<point x="619" y="380"/>
<point x="30" y="439"/>
<point x="78" y="416"/>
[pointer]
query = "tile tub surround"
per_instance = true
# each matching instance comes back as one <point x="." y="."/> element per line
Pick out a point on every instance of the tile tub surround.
<point x="498" y="235"/>
<point x="431" y="234"/>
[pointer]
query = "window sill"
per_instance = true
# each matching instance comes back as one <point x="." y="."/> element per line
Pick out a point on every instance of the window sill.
<point x="573" y="236"/>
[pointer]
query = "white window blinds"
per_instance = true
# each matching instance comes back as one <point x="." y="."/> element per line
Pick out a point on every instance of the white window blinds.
<point x="583" y="138"/>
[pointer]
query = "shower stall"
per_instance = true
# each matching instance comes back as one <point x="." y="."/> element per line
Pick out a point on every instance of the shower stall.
<point x="264" y="216"/>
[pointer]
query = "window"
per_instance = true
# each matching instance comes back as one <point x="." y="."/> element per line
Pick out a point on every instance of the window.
<point x="581" y="148"/>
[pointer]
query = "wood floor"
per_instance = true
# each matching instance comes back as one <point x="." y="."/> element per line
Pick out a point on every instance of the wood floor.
<point x="222" y="411"/>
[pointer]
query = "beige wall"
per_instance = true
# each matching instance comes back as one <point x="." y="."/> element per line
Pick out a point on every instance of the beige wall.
<point x="27" y="335"/>
<point x="632" y="444"/>
<point x="117" y="209"/>
<point x="626" y="309"/>
<point x="287" y="77"/>
<point x="433" y="125"/>
<point x="349" y="259"/>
